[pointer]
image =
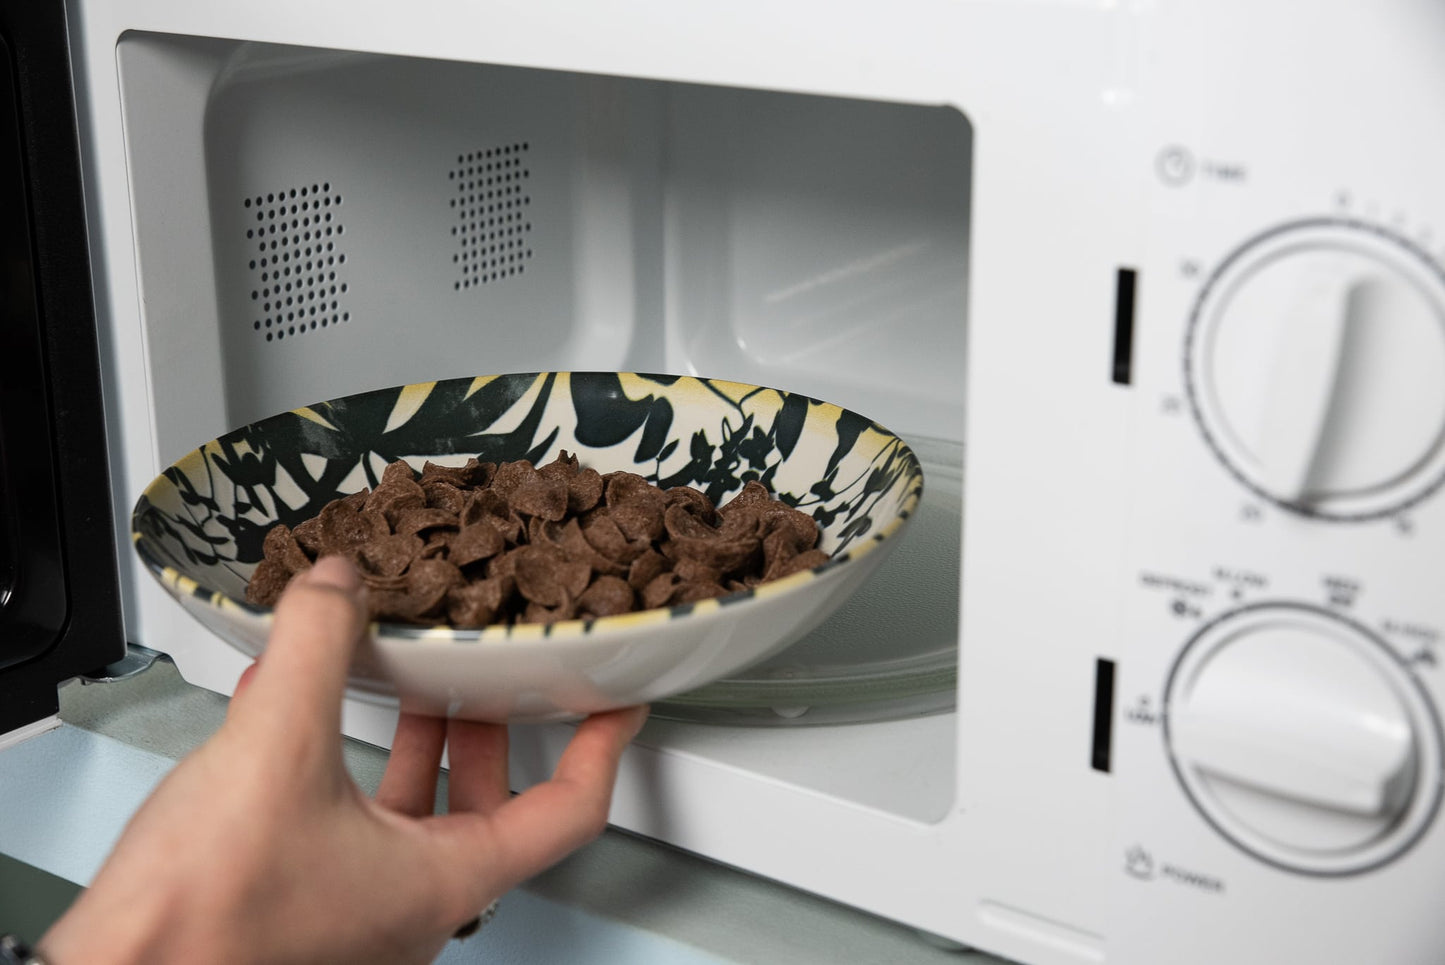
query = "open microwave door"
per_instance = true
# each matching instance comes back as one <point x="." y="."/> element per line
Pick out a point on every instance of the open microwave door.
<point x="59" y="597"/>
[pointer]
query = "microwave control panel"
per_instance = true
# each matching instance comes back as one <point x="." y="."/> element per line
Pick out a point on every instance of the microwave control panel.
<point x="1278" y="752"/>
<point x="1278" y="741"/>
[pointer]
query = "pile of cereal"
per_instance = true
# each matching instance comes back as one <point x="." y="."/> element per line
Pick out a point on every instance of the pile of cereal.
<point x="514" y="543"/>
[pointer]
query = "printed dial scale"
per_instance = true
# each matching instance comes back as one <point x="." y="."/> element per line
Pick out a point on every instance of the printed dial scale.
<point x="1303" y="739"/>
<point x="1315" y="364"/>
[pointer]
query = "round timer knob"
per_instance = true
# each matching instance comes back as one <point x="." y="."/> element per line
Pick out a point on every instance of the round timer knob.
<point x="1316" y="368"/>
<point x="1303" y="740"/>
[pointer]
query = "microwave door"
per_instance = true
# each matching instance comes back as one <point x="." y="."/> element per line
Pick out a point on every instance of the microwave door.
<point x="33" y="601"/>
<point x="60" y="613"/>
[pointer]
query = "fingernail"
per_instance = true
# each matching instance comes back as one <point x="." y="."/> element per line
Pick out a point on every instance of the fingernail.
<point x="335" y="571"/>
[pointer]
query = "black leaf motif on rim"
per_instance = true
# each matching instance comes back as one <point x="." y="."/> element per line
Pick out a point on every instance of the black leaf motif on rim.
<point x="225" y="508"/>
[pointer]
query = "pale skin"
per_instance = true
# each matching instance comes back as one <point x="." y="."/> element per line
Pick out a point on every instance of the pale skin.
<point x="259" y="847"/>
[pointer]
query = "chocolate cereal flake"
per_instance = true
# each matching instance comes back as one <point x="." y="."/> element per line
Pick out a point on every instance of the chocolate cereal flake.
<point x="280" y="546"/>
<point x="607" y="596"/>
<point x="541" y="498"/>
<point x="479" y="541"/>
<point x="389" y="555"/>
<point x="267" y="582"/>
<point x="483" y="543"/>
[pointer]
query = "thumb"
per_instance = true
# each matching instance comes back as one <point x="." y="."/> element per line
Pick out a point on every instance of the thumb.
<point x="318" y="625"/>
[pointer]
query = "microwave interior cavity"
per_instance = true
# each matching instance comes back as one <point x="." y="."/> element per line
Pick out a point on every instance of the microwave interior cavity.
<point x="312" y="223"/>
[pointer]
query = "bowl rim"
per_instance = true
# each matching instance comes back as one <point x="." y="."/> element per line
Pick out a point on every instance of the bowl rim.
<point x="180" y="584"/>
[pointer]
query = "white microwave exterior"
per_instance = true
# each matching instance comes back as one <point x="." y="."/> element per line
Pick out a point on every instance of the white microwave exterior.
<point x="1074" y="485"/>
<point x="1325" y="121"/>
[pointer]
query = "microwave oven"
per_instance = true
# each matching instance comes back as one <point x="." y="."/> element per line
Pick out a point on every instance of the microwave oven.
<point x="1130" y="693"/>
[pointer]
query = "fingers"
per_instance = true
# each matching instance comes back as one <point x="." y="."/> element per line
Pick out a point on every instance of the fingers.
<point x="545" y="823"/>
<point x="246" y="677"/>
<point x="587" y="770"/>
<point x="409" y="784"/>
<point x="318" y="624"/>
<point x="477" y="754"/>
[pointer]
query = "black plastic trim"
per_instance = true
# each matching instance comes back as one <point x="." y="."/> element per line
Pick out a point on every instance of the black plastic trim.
<point x="86" y="632"/>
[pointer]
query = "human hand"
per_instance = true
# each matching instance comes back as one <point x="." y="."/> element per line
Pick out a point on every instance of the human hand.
<point x="259" y="847"/>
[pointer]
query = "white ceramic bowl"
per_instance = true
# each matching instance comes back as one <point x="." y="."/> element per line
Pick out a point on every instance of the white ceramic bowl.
<point x="199" y="526"/>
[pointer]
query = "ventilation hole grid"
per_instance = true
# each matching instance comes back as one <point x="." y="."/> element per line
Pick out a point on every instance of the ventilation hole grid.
<point x="492" y="225"/>
<point x="297" y="266"/>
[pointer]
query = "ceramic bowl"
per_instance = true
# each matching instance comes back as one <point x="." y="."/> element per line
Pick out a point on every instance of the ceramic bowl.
<point x="199" y="526"/>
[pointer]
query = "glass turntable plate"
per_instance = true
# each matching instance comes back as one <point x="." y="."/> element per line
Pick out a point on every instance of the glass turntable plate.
<point x="890" y="652"/>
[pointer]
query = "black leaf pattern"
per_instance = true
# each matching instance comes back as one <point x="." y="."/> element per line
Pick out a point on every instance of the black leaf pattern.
<point x="605" y="415"/>
<point x="655" y="431"/>
<point x="849" y="427"/>
<point x="213" y="508"/>
<point x="788" y="426"/>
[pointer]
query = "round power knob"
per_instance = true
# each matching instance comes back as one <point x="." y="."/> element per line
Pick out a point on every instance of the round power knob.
<point x="1303" y="740"/>
<point x="1316" y="368"/>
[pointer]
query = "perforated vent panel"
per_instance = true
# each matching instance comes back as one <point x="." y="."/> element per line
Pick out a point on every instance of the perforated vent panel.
<point x="489" y="202"/>
<point x="297" y="265"/>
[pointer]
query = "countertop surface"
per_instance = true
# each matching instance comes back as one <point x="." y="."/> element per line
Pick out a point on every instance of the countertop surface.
<point x="66" y="794"/>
